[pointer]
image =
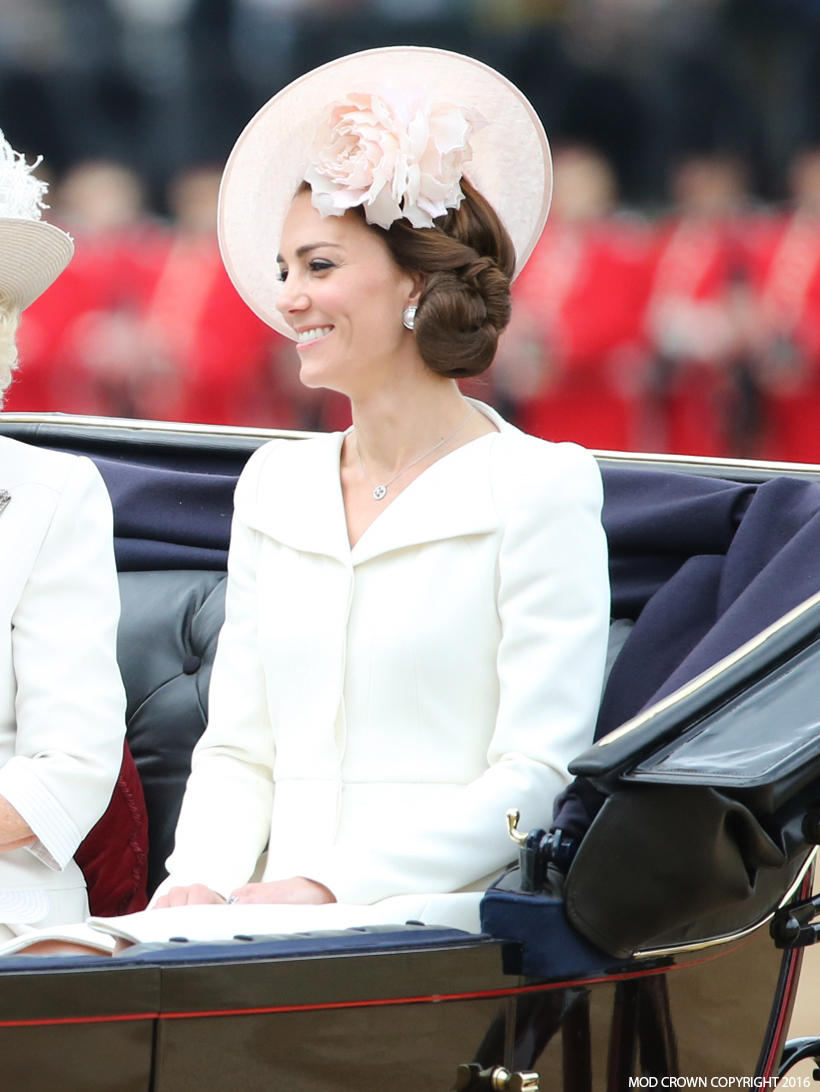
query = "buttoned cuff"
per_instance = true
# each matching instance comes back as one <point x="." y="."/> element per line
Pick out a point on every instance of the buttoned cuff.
<point x="58" y="836"/>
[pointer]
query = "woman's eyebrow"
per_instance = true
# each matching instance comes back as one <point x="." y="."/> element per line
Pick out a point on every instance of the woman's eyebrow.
<point x="306" y="249"/>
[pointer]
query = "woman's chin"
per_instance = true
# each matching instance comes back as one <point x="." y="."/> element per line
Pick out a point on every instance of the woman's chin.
<point x="312" y="379"/>
<point x="313" y="374"/>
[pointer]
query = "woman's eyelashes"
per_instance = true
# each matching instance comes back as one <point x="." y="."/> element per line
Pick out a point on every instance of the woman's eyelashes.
<point x="320" y="265"/>
<point x="315" y="265"/>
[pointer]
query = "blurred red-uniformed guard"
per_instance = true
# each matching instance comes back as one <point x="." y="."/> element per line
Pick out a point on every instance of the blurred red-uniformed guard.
<point x="73" y="344"/>
<point x="203" y="355"/>
<point x="583" y="296"/>
<point x="698" y="275"/>
<point x="785" y="263"/>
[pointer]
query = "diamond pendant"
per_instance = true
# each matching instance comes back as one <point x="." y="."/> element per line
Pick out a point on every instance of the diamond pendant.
<point x="380" y="492"/>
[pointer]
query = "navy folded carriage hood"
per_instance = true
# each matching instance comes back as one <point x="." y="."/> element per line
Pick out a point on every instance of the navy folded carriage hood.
<point x="701" y="565"/>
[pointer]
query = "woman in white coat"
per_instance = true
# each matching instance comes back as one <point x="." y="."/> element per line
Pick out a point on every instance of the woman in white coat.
<point x="417" y="608"/>
<point x="62" y="706"/>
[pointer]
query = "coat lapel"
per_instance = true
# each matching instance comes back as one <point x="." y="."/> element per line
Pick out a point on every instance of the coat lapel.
<point x="299" y="499"/>
<point x="450" y="499"/>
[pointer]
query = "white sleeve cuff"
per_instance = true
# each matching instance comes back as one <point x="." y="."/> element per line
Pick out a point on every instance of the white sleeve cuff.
<point x="58" y="836"/>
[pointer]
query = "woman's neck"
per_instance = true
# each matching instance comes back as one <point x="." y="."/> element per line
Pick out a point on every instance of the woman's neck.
<point x="393" y="427"/>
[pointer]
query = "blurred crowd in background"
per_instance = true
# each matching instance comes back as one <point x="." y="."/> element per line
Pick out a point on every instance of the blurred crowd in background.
<point x="672" y="304"/>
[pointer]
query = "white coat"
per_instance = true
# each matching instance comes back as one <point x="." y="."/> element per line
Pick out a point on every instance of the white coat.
<point x="62" y="705"/>
<point x="374" y="712"/>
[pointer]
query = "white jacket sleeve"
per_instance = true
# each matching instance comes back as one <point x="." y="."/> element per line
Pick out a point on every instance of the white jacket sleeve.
<point x="225" y="819"/>
<point x="553" y="604"/>
<point x="70" y="703"/>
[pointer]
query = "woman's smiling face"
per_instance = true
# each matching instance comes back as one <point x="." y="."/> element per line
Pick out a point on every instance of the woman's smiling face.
<point x="343" y="295"/>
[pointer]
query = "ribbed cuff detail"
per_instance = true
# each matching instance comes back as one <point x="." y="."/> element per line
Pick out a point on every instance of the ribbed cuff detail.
<point x="57" y="834"/>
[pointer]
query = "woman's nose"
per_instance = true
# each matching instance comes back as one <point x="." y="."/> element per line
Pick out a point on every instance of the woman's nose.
<point x="291" y="298"/>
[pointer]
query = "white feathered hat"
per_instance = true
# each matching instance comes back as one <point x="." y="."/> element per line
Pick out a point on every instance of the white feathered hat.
<point x="32" y="253"/>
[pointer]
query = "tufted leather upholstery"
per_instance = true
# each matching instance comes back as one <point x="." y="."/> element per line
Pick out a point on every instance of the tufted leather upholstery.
<point x="168" y="632"/>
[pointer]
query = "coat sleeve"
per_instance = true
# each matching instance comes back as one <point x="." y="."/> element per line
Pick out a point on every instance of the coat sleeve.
<point x="225" y="819"/>
<point x="553" y="605"/>
<point x="70" y="703"/>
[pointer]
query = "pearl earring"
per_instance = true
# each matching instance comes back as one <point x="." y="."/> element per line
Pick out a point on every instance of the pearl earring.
<point x="408" y="317"/>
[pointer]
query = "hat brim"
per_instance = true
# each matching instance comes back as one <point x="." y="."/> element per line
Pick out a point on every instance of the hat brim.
<point x="511" y="163"/>
<point x="33" y="254"/>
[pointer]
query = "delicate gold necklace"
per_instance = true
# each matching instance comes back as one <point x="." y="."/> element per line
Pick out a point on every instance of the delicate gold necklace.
<point x="380" y="491"/>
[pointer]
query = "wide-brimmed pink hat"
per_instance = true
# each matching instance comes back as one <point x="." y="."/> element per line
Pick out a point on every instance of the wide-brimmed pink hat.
<point x="33" y="253"/>
<point x="393" y="130"/>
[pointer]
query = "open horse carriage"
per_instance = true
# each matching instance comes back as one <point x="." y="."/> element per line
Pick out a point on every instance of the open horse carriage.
<point x="652" y="938"/>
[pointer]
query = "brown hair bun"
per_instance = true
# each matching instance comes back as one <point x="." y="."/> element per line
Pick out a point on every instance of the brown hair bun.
<point x="468" y="261"/>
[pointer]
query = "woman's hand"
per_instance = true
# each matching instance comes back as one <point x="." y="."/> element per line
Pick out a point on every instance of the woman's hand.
<point x="14" y="830"/>
<point x="195" y="895"/>
<point x="295" y="890"/>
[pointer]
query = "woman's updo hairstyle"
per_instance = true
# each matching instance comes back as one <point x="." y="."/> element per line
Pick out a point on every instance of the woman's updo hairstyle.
<point x="468" y="261"/>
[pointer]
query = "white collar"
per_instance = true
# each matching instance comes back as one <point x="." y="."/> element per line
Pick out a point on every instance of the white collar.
<point x="299" y="500"/>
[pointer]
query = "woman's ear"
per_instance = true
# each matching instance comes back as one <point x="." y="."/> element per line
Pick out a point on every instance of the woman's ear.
<point x="418" y="280"/>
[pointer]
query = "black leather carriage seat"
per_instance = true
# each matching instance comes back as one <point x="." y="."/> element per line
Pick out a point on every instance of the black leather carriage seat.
<point x="168" y="632"/>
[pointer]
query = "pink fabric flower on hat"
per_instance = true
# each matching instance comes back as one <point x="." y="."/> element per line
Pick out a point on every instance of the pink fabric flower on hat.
<point x="397" y="152"/>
